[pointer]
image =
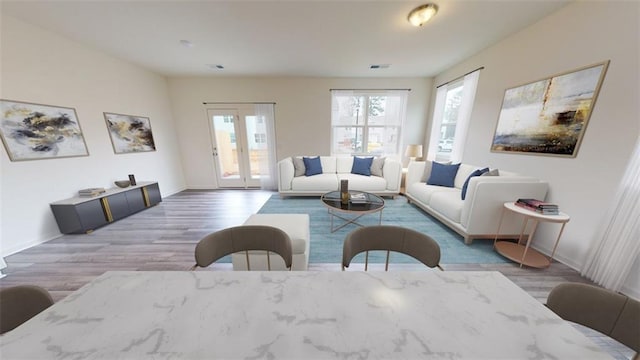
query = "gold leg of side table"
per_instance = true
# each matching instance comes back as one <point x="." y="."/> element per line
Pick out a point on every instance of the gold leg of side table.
<point x="529" y="238"/>
<point x="499" y="226"/>
<point x="525" y="222"/>
<point x="553" y="252"/>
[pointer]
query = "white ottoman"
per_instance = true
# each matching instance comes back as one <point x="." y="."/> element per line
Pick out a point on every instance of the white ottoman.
<point x="295" y="225"/>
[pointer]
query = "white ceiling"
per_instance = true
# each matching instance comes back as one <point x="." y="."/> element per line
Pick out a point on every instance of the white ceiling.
<point x="284" y="38"/>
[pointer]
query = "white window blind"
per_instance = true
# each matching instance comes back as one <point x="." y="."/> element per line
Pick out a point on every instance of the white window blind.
<point x="451" y="118"/>
<point x="367" y="122"/>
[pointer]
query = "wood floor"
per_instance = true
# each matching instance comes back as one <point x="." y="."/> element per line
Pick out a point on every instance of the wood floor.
<point x="164" y="237"/>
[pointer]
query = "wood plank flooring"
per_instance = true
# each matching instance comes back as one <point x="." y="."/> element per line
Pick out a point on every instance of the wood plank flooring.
<point x="164" y="237"/>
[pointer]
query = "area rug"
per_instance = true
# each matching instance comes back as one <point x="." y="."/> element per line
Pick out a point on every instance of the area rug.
<point x="326" y="247"/>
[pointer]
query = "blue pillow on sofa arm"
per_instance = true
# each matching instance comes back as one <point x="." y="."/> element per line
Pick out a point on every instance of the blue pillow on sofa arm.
<point x="313" y="166"/>
<point x="443" y="174"/>
<point x="477" y="172"/>
<point x="362" y="166"/>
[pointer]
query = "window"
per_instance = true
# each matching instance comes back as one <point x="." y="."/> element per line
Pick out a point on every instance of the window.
<point x="451" y="116"/>
<point x="367" y="122"/>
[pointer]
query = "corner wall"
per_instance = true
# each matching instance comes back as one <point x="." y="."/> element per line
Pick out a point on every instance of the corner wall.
<point x="41" y="67"/>
<point x="579" y="34"/>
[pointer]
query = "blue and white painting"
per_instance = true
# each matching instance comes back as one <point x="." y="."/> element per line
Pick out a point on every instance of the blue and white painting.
<point x="549" y="116"/>
<point x="130" y="133"/>
<point x="34" y="131"/>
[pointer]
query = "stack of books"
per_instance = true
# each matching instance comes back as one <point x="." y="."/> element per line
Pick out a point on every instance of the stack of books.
<point x="539" y="206"/>
<point x="90" y="192"/>
<point x="358" y="198"/>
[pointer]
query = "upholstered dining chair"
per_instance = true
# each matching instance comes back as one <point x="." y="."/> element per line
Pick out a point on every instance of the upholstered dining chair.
<point x="613" y="314"/>
<point x="243" y="238"/>
<point x="20" y="303"/>
<point x="390" y="238"/>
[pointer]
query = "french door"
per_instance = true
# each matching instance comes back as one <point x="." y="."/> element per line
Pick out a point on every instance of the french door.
<point x="238" y="145"/>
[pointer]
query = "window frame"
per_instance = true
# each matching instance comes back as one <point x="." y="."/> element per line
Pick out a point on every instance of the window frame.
<point x="365" y="127"/>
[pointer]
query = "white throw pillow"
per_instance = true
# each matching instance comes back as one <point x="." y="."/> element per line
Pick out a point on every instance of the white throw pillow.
<point x="298" y="166"/>
<point x="376" y="166"/>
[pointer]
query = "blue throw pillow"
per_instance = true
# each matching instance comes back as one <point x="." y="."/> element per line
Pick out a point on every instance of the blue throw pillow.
<point x="478" y="172"/>
<point x="362" y="166"/>
<point x="313" y="166"/>
<point x="442" y="174"/>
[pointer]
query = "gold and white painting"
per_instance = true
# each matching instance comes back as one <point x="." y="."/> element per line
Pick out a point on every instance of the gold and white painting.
<point x="129" y="133"/>
<point x="550" y="116"/>
<point x="32" y="131"/>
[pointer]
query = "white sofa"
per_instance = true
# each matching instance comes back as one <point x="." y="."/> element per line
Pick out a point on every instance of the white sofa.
<point x="335" y="169"/>
<point x="478" y="215"/>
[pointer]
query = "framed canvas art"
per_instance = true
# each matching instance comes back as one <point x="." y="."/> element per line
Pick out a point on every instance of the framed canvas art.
<point x="32" y="131"/>
<point x="549" y="116"/>
<point x="129" y="133"/>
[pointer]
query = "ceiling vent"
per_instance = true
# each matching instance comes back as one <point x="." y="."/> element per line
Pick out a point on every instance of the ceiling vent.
<point x="379" y="66"/>
<point x="186" y="43"/>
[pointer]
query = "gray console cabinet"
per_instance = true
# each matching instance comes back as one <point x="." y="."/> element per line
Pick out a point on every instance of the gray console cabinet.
<point x="135" y="200"/>
<point x="82" y="215"/>
<point x="153" y="192"/>
<point x="118" y="205"/>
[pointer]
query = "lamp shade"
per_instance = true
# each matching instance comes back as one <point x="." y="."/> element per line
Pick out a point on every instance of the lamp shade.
<point x="422" y="14"/>
<point x="413" y="151"/>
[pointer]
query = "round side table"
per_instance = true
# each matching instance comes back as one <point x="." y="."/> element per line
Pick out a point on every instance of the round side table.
<point x="523" y="253"/>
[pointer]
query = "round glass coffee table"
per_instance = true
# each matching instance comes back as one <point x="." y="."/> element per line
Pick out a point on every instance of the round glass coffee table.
<point x="369" y="204"/>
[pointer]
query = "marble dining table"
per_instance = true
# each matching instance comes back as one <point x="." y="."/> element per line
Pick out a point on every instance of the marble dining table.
<point x="298" y="315"/>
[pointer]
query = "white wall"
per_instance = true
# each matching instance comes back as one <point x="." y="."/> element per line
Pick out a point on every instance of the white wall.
<point x="303" y="113"/>
<point x="41" y="67"/>
<point x="579" y="34"/>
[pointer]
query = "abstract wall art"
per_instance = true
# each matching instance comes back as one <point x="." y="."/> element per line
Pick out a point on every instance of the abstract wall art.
<point x="549" y="116"/>
<point x="129" y="133"/>
<point x="34" y="131"/>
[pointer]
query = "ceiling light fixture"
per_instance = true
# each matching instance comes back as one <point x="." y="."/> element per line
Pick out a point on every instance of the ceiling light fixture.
<point x="420" y="15"/>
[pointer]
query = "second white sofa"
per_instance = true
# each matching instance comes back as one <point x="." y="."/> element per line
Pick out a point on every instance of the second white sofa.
<point x="476" y="216"/>
<point x="335" y="169"/>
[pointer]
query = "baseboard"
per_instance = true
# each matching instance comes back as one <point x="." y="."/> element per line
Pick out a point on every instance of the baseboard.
<point x="559" y="258"/>
<point x="30" y="244"/>
<point x="173" y="192"/>
<point x="25" y="246"/>
<point x="626" y="290"/>
<point x="196" y="187"/>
